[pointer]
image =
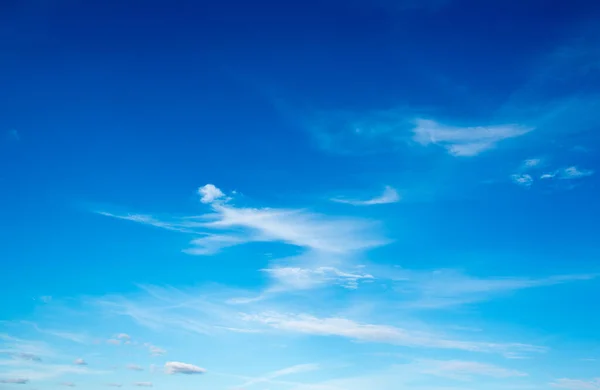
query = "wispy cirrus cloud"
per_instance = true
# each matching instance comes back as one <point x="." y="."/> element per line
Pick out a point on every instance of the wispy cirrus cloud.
<point x="447" y="287"/>
<point x="76" y="337"/>
<point x="395" y="128"/>
<point x="297" y="278"/>
<point x="389" y="195"/>
<point x="465" y="141"/>
<point x="268" y="378"/>
<point x="576" y="384"/>
<point x="194" y="312"/>
<point x="342" y="327"/>
<point x="228" y="225"/>
<point x="464" y="370"/>
<point x="143" y="384"/>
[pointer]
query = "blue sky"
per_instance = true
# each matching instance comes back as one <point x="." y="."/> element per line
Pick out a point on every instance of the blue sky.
<point x="315" y="195"/>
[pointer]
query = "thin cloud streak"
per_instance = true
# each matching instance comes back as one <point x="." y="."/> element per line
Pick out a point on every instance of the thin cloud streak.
<point x="342" y="327"/>
<point x="228" y="225"/>
<point x="390" y="195"/>
<point x="464" y="141"/>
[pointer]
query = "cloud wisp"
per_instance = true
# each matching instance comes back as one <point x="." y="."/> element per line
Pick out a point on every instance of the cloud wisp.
<point x="389" y="195"/>
<point x="464" y="141"/>
<point x="385" y="334"/>
<point x="464" y="370"/>
<point x="228" y="225"/>
<point x="268" y="378"/>
<point x="576" y="384"/>
<point x="447" y="288"/>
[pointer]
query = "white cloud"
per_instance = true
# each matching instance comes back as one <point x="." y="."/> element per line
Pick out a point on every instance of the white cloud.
<point x="531" y="163"/>
<point x="234" y="226"/>
<point x="68" y="384"/>
<point x="143" y="384"/>
<point x="298" y="227"/>
<point x="134" y="367"/>
<point x="465" y="141"/>
<point x="575" y="173"/>
<point x="522" y="179"/>
<point x="390" y="195"/>
<point x="343" y="327"/>
<point x="568" y="173"/>
<point x="464" y="370"/>
<point x="147" y="220"/>
<point x="183" y="368"/>
<point x="209" y="193"/>
<point x="549" y="175"/>
<point x="297" y="278"/>
<point x="577" y="384"/>
<point x="114" y="385"/>
<point x="113" y="342"/>
<point x="123" y="336"/>
<point x="80" y="362"/>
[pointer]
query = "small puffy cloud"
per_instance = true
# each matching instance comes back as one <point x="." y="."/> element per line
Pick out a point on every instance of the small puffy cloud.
<point x="522" y="179"/>
<point x="575" y="173"/>
<point x="390" y="195"/>
<point x="210" y="193"/>
<point x="15" y="381"/>
<point x="143" y="384"/>
<point x="531" y="163"/>
<point x="123" y="336"/>
<point x="464" y="141"/>
<point x="80" y="362"/>
<point x="182" y="368"/>
<point x="114" y="342"/>
<point x="134" y="367"/>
